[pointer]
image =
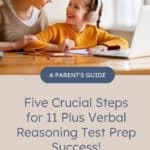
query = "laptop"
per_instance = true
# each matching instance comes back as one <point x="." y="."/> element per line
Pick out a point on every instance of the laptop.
<point x="140" y="45"/>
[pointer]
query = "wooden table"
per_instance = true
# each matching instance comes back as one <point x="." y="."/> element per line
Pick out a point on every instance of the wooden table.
<point x="18" y="64"/>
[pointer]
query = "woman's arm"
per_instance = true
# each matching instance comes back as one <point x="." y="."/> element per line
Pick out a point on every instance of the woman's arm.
<point x="7" y="46"/>
<point x="10" y="46"/>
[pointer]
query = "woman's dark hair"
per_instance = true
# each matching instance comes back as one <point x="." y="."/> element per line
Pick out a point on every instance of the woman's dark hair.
<point x="93" y="6"/>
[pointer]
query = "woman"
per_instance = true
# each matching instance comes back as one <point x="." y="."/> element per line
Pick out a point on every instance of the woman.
<point x="18" y="19"/>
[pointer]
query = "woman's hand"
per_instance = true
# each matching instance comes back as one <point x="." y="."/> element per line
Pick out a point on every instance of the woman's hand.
<point x="24" y="41"/>
<point x="11" y="46"/>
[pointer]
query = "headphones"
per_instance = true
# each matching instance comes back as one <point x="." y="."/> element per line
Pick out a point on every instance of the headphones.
<point x="93" y="16"/>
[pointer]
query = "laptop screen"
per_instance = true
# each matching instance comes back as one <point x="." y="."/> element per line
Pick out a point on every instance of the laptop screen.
<point x="141" y="43"/>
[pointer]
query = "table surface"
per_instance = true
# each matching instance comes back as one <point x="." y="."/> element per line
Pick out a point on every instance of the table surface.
<point x="18" y="64"/>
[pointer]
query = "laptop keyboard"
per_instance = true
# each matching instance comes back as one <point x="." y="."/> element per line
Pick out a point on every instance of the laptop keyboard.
<point x="122" y="53"/>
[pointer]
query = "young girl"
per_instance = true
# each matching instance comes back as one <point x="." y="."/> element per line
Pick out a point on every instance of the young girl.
<point x="76" y="33"/>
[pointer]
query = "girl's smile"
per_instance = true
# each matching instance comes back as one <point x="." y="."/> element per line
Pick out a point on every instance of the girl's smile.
<point x="70" y="16"/>
<point x="76" y="13"/>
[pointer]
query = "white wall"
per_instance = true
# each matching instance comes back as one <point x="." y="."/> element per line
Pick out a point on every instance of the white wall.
<point x="56" y="10"/>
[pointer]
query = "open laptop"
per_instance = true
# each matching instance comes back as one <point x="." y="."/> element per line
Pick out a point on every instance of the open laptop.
<point x="140" y="45"/>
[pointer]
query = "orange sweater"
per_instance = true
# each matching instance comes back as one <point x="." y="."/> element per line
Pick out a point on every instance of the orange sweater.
<point x="90" y="37"/>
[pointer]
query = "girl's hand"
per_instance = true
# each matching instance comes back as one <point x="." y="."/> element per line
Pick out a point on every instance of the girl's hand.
<point x="69" y="44"/>
<point x="24" y="41"/>
<point x="62" y="47"/>
<point x="98" y="48"/>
